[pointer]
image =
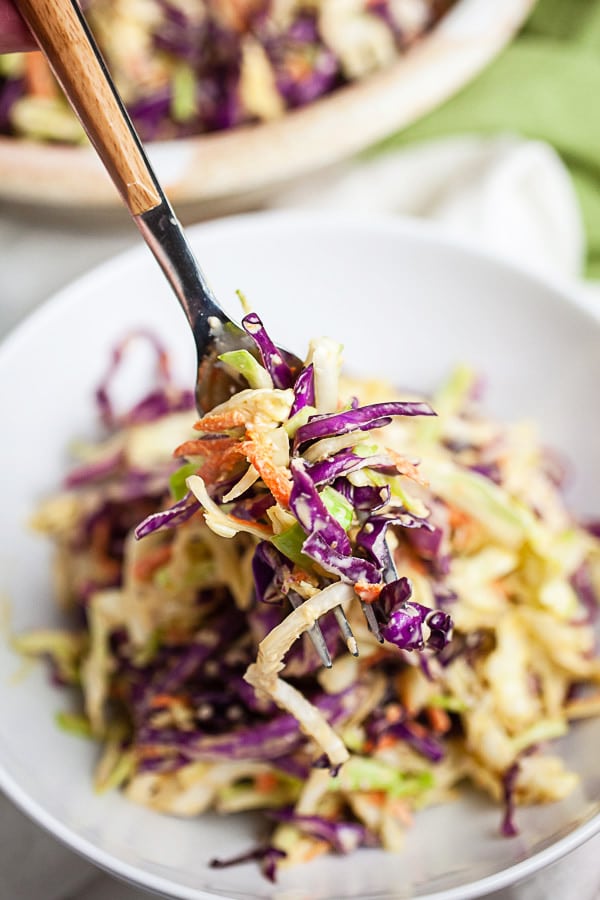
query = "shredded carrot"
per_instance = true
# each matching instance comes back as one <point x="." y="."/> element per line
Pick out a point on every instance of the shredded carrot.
<point x="220" y="454"/>
<point x="404" y="693"/>
<point x="168" y="700"/>
<point x="405" y="467"/>
<point x="217" y="467"/>
<point x="259" y="451"/>
<point x="368" y="593"/>
<point x="145" y="568"/>
<point x="299" y="575"/>
<point x="386" y="741"/>
<point x="418" y="730"/>
<point x="100" y="537"/>
<point x="239" y="14"/>
<point x="268" y="532"/>
<point x="457" y="517"/>
<point x="205" y="446"/>
<point x="393" y="713"/>
<point x="38" y="76"/>
<point x="219" y="457"/>
<point x="118" y="691"/>
<point x="465" y="528"/>
<point x="149" y="751"/>
<point x="224" y="421"/>
<point x="265" y="782"/>
<point x="376" y="798"/>
<point x="164" y="365"/>
<point x="499" y="586"/>
<point x="299" y="68"/>
<point x="418" y="565"/>
<point x="175" y="636"/>
<point x="315" y="848"/>
<point x="438" y="719"/>
<point x="100" y="540"/>
<point x="400" y="809"/>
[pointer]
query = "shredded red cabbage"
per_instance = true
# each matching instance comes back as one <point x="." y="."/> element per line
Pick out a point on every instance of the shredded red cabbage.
<point x="490" y="470"/>
<point x="262" y="619"/>
<point x="429" y="544"/>
<point x="269" y="569"/>
<point x="363" y="418"/>
<point x="509" y="784"/>
<point x="95" y="471"/>
<point x="160" y="403"/>
<point x="251" y="509"/>
<point x="304" y="390"/>
<point x="344" y="837"/>
<point x="304" y="67"/>
<point x="467" y="645"/>
<point x="586" y="594"/>
<point x="410" y="625"/>
<point x="150" y="111"/>
<point x="11" y="90"/>
<point x="424" y="744"/>
<point x="180" y="512"/>
<point x="270" y="740"/>
<point x="349" y="568"/>
<point x="412" y="733"/>
<point x="372" y="535"/>
<point x="165" y="398"/>
<point x="311" y="512"/>
<point x="394" y="596"/>
<point x="272" y="358"/>
<point x="325" y="471"/>
<point x="267" y="856"/>
<point x="163" y="372"/>
<point x="196" y="654"/>
<point x="365" y="497"/>
<point x="593" y="528"/>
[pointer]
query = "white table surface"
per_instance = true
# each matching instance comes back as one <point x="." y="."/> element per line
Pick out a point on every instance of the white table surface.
<point x="38" y="256"/>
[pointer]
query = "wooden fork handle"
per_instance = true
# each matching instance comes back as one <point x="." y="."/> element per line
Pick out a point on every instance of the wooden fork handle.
<point x="63" y="36"/>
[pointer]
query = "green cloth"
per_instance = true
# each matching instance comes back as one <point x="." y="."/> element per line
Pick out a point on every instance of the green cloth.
<point x="545" y="85"/>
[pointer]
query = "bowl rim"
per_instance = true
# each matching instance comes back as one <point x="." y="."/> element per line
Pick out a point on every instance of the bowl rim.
<point x="239" y="165"/>
<point x="391" y="226"/>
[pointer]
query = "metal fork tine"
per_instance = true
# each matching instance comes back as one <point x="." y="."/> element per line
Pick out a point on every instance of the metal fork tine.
<point x="371" y="620"/>
<point x="388" y="576"/>
<point x="346" y="630"/>
<point x="314" y="633"/>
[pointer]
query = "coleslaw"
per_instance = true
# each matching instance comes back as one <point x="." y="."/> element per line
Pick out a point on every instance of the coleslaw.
<point x="192" y="582"/>
<point x="185" y="67"/>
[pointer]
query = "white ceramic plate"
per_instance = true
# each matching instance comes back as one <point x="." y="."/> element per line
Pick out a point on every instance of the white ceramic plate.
<point x="408" y="304"/>
<point x="231" y="170"/>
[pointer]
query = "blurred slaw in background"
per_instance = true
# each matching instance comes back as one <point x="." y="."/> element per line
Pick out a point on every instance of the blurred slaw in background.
<point x="186" y="67"/>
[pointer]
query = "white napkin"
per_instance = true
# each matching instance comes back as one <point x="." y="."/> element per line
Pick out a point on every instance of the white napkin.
<point x="510" y="195"/>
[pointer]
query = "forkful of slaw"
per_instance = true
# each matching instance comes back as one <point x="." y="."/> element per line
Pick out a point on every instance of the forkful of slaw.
<point x="325" y="495"/>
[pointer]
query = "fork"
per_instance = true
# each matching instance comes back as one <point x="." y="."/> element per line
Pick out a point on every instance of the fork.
<point x="64" y="37"/>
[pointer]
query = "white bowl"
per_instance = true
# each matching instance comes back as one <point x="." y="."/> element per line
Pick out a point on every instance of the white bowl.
<point x="233" y="170"/>
<point x="408" y="303"/>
